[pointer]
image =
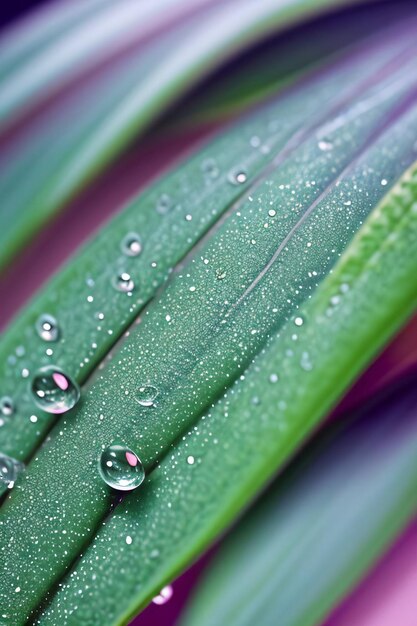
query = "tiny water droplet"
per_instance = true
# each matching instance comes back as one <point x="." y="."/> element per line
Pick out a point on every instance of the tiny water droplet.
<point x="9" y="472"/>
<point x="121" y="468"/>
<point x="131" y="244"/>
<point x="47" y="327"/>
<point x="124" y="282"/>
<point x="210" y="169"/>
<point x="325" y="146"/>
<point x="164" y="595"/>
<point x="273" y="378"/>
<point x="54" y="391"/>
<point x="220" y="274"/>
<point x="190" y="460"/>
<point x="7" y="407"/>
<point x="146" y="395"/>
<point x="298" y="321"/>
<point x="272" y="213"/>
<point x="237" y="176"/>
<point x="164" y="204"/>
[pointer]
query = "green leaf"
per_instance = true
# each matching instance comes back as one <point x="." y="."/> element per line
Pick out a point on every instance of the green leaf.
<point x="321" y="526"/>
<point x="212" y="471"/>
<point x="235" y="316"/>
<point x="222" y="460"/>
<point x="201" y="188"/>
<point x="123" y="104"/>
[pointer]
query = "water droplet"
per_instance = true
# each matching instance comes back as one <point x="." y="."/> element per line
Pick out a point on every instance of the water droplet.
<point x="146" y="395"/>
<point x="124" y="282"/>
<point x="237" y="176"/>
<point x="121" y="468"/>
<point x="190" y="460"/>
<point x="220" y="274"/>
<point x="298" y="321"/>
<point x="7" y="406"/>
<point x="164" y="204"/>
<point x="47" y="327"/>
<point x="129" y="540"/>
<point x="54" y="391"/>
<point x="325" y="146"/>
<point x="273" y="378"/>
<point x="210" y="169"/>
<point x="164" y="595"/>
<point x="131" y="244"/>
<point x="272" y="213"/>
<point x="9" y="472"/>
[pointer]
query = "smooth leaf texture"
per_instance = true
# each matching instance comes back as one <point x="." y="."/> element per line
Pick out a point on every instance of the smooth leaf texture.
<point x="309" y="539"/>
<point x="202" y="189"/>
<point x="236" y="296"/>
<point x="126" y="101"/>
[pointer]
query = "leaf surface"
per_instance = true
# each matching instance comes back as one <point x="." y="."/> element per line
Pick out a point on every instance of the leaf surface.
<point x="236" y="312"/>
<point x="125" y="102"/>
<point x="321" y="526"/>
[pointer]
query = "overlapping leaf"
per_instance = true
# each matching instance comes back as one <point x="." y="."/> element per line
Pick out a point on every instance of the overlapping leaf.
<point x="109" y="112"/>
<point x="236" y="296"/>
<point x="321" y="526"/>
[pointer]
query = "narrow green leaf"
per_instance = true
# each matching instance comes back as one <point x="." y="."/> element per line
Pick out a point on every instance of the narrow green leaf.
<point x="54" y="171"/>
<point x="201" y="188"/>
<point x="243" y="292"/>
<point x="323" y="524"/>
<point x="213" y="470"/>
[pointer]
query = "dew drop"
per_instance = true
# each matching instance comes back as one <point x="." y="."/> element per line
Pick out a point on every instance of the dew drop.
<point x="164" y="204"/>
<point x="325" y="146"/>
<point x="7" y="407"/>
<point x="146" y="395"/>
<point x="121" y="468"/>
<point x="54" y="391"/>
<point x="298" y="321"/>
<point x="164" y="595"/>
<point x="47" y="328"/>
<point x="131" y="244"/>
<point x="124" y="282"/>
<point x="190" y="460"/>
<point x="210" y="169"/>
<point x="237" y="177"/>
<point x="9" y="472"/>
<point x="220" y="274"/>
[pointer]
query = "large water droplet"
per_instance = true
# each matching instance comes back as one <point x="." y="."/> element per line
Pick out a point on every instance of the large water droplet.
<point x="7" y="406"/>
<point x="124" y="282"/>
<point x="164" y="595"/>
<point x="121" y="468"/>
<point x="54" y="391"/>
<point x="146" y="395"/>
<point x="9" y="471"/>
<point x="47" y="328"/>
<point x="131" y="244"/>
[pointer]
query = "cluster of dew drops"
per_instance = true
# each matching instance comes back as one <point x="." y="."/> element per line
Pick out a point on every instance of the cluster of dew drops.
<point x="55" y="392"/>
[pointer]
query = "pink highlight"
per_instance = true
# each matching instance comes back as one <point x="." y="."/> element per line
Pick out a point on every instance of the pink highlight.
<point x="131" y="459"/>
<point x="60" y="380"/>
